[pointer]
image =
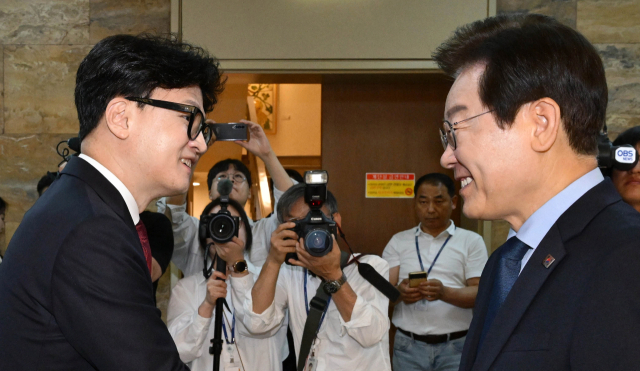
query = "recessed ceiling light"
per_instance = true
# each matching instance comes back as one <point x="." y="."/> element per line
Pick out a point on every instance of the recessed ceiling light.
<point x="195" y="184"/>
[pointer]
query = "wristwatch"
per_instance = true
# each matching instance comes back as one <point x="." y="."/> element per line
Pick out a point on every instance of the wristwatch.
<point x="331" y="287"/>
<point x="239" y="267"/>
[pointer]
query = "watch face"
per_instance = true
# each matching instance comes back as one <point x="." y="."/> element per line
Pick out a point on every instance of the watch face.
<point x="332" y="287"/>
<point x="240" y="266"/>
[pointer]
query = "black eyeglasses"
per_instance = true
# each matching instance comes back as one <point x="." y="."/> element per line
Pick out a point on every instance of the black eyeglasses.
<point x="448" y="136"/>
<point x="197" y="122"/>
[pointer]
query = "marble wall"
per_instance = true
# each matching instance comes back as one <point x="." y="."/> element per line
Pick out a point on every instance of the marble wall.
<point x="41" y="45"/>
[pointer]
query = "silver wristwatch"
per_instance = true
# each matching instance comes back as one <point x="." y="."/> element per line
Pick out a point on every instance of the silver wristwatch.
<point x="331" y="287"/>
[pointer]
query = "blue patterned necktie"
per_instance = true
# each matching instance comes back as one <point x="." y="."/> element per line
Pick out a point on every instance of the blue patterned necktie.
<point x="506" y="274"/>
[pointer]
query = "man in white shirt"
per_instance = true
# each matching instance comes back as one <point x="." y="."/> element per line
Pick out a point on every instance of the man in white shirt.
<point x="433" y="318"/>
<point x="353" y="334"/>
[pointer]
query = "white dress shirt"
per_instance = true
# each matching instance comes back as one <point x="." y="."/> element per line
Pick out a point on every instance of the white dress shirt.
<point x="540" y="222"/>
<point x="360" y="344"/>
<point x="463" y="257"/>
<point x="132" y="205"/>
<point x="192" y="333"/>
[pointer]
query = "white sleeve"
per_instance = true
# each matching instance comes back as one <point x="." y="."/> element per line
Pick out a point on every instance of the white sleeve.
<point x="187" y="255"/>
<point x="476" y="257"/>
<point x="262" y="230"/>
<point x="391" y="254"/>
<point x="188" y="329"/>
<point x="369" y="318"/>
<point x="268" y="322"/>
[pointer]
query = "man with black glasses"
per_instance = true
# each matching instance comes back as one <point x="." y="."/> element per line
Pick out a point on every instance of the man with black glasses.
<point x="75" y="287"/>
<point x="520" y="133"/>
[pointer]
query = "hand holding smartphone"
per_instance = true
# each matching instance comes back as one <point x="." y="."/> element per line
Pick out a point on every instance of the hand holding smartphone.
<point x="415" y="278"/>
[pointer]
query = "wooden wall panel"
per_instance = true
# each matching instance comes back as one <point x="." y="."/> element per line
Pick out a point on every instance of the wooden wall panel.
<point x="380" y="123"/>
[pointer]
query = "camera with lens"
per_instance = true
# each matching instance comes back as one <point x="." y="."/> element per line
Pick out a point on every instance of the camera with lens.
<point x="221" y="227"/>
<point x="316" y="228"/>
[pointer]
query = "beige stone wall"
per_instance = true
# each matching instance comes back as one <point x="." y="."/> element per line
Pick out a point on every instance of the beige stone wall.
<point x="41" y="45"/>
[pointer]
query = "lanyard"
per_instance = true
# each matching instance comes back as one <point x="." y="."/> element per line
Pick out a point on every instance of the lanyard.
<point x="306" y="301"/>
<point x="233" y="330"/>
<point x="434" y="260"/>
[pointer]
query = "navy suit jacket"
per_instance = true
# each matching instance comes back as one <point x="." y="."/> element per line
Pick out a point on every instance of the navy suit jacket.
<point x="75" y="290"/>
<point x="580" y="313"/>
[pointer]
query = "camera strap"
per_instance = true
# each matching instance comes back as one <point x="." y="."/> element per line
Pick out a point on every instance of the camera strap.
<point x="316" y="312"/>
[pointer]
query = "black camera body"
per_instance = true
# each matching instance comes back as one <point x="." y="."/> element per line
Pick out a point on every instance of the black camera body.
<point x="316" y="228"/>
<point x="221" y="227"/>
<point x="623" y="158"/>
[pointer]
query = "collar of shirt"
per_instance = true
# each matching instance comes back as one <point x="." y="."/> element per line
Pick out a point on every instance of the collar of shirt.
<point x="451" y="229"/>
<point x="126" y="195"/>
<point x="540" y="222"/>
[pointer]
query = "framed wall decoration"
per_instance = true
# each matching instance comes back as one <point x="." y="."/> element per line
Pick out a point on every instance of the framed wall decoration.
<point x="265" y="99"/>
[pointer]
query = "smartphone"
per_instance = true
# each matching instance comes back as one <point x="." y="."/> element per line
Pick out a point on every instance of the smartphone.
<point x="231" y="131"/>
<point x="416" y="277"/>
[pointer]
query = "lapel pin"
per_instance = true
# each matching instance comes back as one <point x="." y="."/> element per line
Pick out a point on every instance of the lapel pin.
<point x="548" y="261"/>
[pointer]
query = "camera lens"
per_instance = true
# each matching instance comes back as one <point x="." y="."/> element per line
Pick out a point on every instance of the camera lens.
<point x="318" y="242"/>
<point x="222" y="228"/>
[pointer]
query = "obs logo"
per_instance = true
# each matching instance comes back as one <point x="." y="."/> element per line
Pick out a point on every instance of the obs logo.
<point x="625" y="155"/>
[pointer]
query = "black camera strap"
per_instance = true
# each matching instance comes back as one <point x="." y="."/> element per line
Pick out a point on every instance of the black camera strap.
<point x="317" y="308"/>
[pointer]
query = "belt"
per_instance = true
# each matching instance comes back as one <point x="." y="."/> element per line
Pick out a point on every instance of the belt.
<point x="435" y="339"/>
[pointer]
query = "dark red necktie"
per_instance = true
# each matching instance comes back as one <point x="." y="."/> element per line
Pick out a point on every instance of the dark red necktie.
<point x="144" y="241"/>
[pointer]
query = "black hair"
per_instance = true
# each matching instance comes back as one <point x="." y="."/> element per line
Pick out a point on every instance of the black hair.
<point x="224" y="166"/>
<point x="243" y="217"/>
<point x="127" y="65"/>
<point x="630" y="136"/>
<point x="45" y="182"/>
<point x="436" y="179"/>
<point x="3" y="206"/>
<point x="294" y="193"/>
<point x="529" y="57"/>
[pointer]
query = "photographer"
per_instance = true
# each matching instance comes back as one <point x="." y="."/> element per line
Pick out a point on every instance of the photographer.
<point x="353" y="332"/>
<point x="192" y="307"/>
<point x="187" y="254"/>
<point x="628" y="182"/>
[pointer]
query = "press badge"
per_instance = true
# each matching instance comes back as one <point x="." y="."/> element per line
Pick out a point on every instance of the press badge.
<point x="232" y="363"/>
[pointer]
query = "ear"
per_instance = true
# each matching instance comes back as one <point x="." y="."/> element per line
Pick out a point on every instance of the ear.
<point x="117" y="116"/>
<point x="544" y="114"/>
<point x="337" y="218"/>
<point x="454" y="202"/>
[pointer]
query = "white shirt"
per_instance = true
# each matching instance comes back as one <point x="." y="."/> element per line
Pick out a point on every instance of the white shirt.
<point x="188" y="256"/>
<point x="540" y="222"/>
<point x="463" y="257"/>
<point x="360" y="344"/>
<point x="193" y="333"/>
<point x="132" y="205"/>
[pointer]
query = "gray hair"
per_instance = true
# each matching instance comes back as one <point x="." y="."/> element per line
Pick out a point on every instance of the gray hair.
<point x="296" y="192"/>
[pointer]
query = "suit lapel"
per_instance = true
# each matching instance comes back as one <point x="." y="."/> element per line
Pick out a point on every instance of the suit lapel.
<point x="479" y="313"/>
<point x="534" y="274"/>
<point x="520" y="297"/>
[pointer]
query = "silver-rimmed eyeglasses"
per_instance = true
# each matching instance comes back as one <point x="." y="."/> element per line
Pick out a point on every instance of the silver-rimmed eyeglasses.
<point x="448" y="136"/>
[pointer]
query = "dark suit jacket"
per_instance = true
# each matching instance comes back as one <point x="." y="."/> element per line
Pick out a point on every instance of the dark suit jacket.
<point x="581" y="313"/>
<point x="75" y="290"/>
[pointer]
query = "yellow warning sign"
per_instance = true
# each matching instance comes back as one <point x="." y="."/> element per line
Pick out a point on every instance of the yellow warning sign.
<point x="390" y="185"/>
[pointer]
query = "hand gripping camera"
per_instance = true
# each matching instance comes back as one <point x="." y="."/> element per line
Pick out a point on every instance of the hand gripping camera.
<point x="316" y="228"/>
<point x="221" y="226"/>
